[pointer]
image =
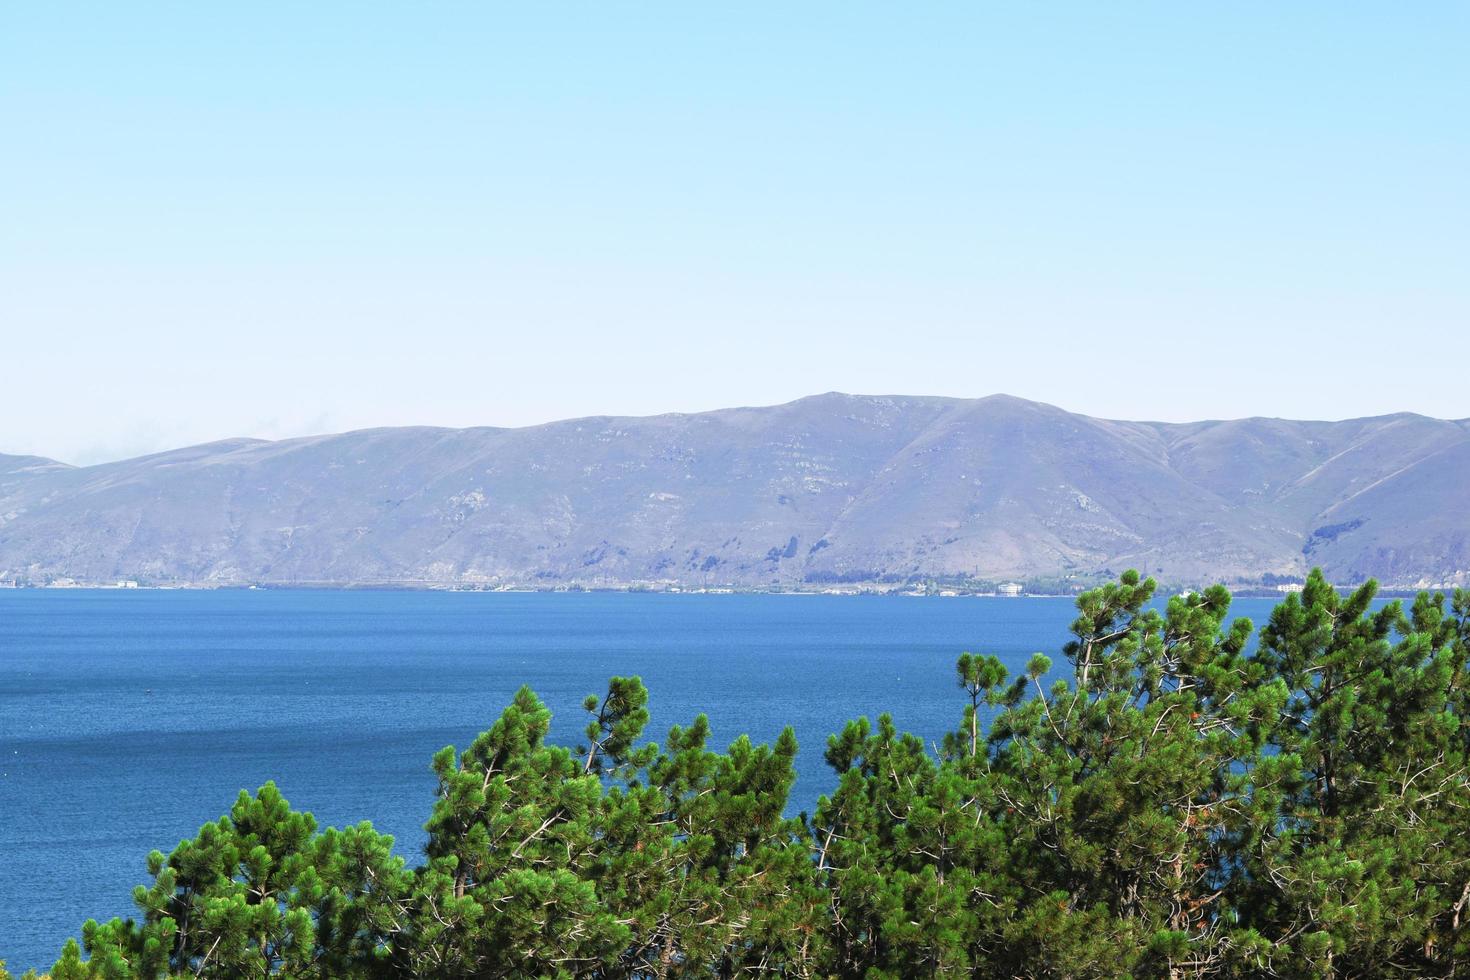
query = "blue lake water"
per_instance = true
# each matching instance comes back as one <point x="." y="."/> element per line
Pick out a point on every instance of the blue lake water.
<point x="127" y="719"/>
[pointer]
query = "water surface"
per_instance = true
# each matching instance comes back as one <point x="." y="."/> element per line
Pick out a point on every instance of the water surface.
<point x="129" y="718"/>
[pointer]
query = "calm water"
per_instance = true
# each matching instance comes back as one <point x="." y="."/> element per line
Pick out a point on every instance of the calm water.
<point x="127" y="719"/>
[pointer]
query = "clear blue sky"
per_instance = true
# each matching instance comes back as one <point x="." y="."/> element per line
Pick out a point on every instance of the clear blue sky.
<point x="274" y="219"/>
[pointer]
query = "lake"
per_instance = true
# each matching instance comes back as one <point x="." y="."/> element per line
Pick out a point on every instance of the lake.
<point x="128" y="718"/>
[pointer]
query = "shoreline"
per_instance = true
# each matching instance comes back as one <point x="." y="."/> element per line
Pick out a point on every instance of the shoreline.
<point x="904" y="592"/>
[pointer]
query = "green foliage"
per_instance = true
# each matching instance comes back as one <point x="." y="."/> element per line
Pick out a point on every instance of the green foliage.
<point x="257" y="893"/>
<point x="1182" y="803"/>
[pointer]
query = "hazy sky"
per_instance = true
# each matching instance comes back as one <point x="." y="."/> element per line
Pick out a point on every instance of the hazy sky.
<point x="275" y="219"/>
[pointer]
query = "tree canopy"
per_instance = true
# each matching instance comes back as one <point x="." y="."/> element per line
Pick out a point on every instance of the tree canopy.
<point x="1192" y="798"/>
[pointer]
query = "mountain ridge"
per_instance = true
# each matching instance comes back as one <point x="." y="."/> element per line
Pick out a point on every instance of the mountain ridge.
<point x="828" y="489"/>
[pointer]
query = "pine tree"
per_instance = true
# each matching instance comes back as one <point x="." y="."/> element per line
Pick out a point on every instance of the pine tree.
<point x="1169" y="803"/>
<point x="505" y="891"/>
<point x="256" y="894"/>
<point x="1366" y="872"/>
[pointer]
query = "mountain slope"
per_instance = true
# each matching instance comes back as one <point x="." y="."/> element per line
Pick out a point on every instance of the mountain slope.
<point x="829" y="488"/>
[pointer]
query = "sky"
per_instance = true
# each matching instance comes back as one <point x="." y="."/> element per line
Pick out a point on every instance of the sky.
<point x="276" y="219"/>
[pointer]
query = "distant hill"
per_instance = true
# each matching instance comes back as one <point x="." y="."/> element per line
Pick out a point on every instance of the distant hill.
<point x="833" y="488"/>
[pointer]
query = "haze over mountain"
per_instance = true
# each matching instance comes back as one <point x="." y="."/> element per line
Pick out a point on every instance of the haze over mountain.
<point x="832" y="488"/>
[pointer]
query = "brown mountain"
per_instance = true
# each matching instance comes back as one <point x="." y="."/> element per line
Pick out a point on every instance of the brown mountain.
<point x="829" y="488"/>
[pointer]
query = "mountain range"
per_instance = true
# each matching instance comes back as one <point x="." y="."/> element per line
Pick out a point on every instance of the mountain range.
<point x="829" y="489"/>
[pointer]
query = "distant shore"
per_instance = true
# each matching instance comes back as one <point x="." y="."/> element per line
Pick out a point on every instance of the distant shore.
<point x="900" y="590"/>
